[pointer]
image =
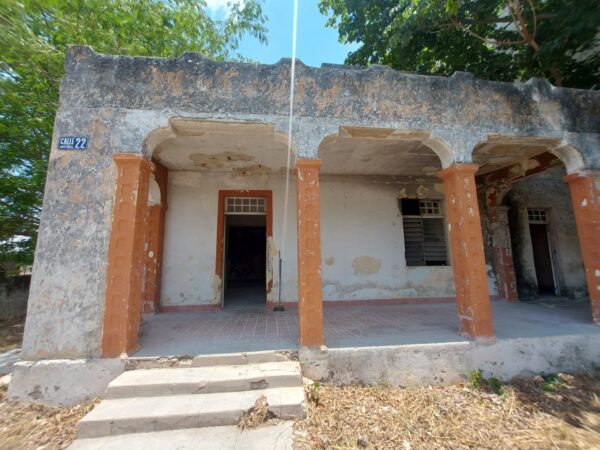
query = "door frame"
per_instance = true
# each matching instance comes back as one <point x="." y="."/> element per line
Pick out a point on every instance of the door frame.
<point x="552" y="251"/>
<point x="219" y="260"/>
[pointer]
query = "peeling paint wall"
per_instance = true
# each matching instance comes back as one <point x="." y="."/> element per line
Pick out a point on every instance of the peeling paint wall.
<point x="191" y="232"/>
<point x="66" y="297"/>
<point x="362" y="240"/>
<point x="546" y="190"/>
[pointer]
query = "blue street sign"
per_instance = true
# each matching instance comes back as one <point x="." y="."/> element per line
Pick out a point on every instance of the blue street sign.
<point x="72" y="143"/>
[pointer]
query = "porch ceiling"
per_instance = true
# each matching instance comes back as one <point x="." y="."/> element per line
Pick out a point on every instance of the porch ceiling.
<point x="500" y="152"/>
<point x="378" y="151"/>
<point x="224" y="147"/>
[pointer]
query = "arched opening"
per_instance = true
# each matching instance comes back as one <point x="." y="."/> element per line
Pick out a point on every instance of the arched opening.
<point x="529" y="223"/>
<point x="223" y="198"/>
<point x="384" y="235"/>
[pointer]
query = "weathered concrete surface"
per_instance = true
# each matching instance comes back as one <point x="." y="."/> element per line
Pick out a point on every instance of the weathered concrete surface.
<point x="375" y="96"/>
<point x="548" y="191"/>
<point x="446" y="363"/>
<point x="274" y="437"/>
<point x="62" y="382"/>
<point x="66" y="297"/>
<point x="126" y="104"/>
<point x="176" y="398"/>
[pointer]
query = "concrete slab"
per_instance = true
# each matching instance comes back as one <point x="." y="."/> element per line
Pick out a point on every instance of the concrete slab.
<point x="275" y="437"/>
<point x="172" y="334"/>
<point x="222" y="359"/>
<point x="445" y="363"/>
<point x="145" y="414"/>
<point x="204" y="380"/>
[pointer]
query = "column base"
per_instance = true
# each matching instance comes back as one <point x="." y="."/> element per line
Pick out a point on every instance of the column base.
<point x="63" y="382"/>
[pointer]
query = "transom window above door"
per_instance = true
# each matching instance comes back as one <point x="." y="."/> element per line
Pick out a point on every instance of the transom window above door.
<point x="537" y="215"/>
<point x="245" y="205"/>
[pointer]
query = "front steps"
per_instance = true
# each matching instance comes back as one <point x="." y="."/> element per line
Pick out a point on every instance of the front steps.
<point x="199" y="405"/>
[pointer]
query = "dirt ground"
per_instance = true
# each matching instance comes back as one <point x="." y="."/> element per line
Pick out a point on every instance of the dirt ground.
<point x="555" y="411"/>
<point x="11" y="334"/>
<point x="28" y="427"/>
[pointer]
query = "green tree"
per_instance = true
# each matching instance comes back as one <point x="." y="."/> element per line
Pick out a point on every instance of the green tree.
<point x="505" y="40"/>
<point x="34" y="35"/>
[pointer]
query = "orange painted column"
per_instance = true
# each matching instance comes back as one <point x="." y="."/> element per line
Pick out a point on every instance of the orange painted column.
<point x="310" y="295"/>
<point x="153" y="272"/>
<point x="126" y="256"/>
<point x="154" y="245"/>
<point x="502" y="252"/>
<point x="466" y="242"/>
<point x="585" y="195"/>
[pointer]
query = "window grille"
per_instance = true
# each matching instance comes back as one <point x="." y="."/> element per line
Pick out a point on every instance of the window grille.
<point x="245" y="205"/>
<point x="424" y="236"/>
<point x="430" y="208"/>
<point x="537" y="215"/>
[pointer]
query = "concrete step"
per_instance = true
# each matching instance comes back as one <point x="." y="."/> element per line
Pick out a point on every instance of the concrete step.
<point x="276" y="437"/>
<point x="204" y="380"/>
<point x="227" y="359"/>
<point x="147" y="414"/>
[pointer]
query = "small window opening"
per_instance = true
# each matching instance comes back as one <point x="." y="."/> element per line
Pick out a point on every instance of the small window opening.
<point x="537" y="215"/>
<point x="424" y="236"/>
<point x="245" y="205"/>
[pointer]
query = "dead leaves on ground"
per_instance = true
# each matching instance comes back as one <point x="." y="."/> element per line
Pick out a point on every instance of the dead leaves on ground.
<point x="528" y="414"/>
<point x="28" y="426"/>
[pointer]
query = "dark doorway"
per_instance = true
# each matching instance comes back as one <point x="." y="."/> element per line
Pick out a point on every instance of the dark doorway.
<point x="245" y="261"/>
<point x="542" y="258"/>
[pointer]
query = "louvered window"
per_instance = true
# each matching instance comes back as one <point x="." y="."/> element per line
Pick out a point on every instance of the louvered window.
<point x="424" y="237"/>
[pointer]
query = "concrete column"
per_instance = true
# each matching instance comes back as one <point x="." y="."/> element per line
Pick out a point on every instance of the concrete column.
<point x="126" y="256"/>
<point x="585" y="195"/>
<point x="154" y="245"/>
<point x="502" y="251"/>
<point x="466" y="243"/>
<point x="310" y="296"/>
<point x="153" y="263"/>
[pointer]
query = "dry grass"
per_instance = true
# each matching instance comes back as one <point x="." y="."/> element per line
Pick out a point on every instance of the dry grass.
<point x="258" y="415"/>
<point x="11" y="334"/>
<point x="27" y="426"/>
<point x="557" y="412"/>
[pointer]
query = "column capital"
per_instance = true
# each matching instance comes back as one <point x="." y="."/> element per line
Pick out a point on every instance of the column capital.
<point x="458" y="168"/>
<point x="582" y="174"/>
<point x="124" y="159"/>
<point x="308" y="163"/>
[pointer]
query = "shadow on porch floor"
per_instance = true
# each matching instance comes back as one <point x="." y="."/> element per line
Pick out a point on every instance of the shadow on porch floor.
<point x="194" y="333"/>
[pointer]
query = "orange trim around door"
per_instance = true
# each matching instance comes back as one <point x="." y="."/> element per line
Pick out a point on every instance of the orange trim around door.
<point x="268" y="195"/>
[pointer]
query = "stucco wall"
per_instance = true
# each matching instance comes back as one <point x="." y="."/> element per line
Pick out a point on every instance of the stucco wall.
<point x="191" y="233"/>
<point x="362" y="238"/>
<point x="550" y="192"/>
<point x="66" y="296"/>
<point x="362" y="241"/>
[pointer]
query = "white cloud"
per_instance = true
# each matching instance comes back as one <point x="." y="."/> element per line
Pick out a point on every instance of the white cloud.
<point x="218" y="5"/>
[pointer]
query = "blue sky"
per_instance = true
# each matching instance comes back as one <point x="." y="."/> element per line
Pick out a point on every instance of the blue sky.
<point x="315" y="43"/>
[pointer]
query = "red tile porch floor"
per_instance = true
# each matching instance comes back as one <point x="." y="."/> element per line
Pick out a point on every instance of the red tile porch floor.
<point x="193" y="333"/>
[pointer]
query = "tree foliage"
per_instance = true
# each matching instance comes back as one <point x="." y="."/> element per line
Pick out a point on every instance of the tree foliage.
<point x="34" y="35"/>
<point x="505" y="40"/>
